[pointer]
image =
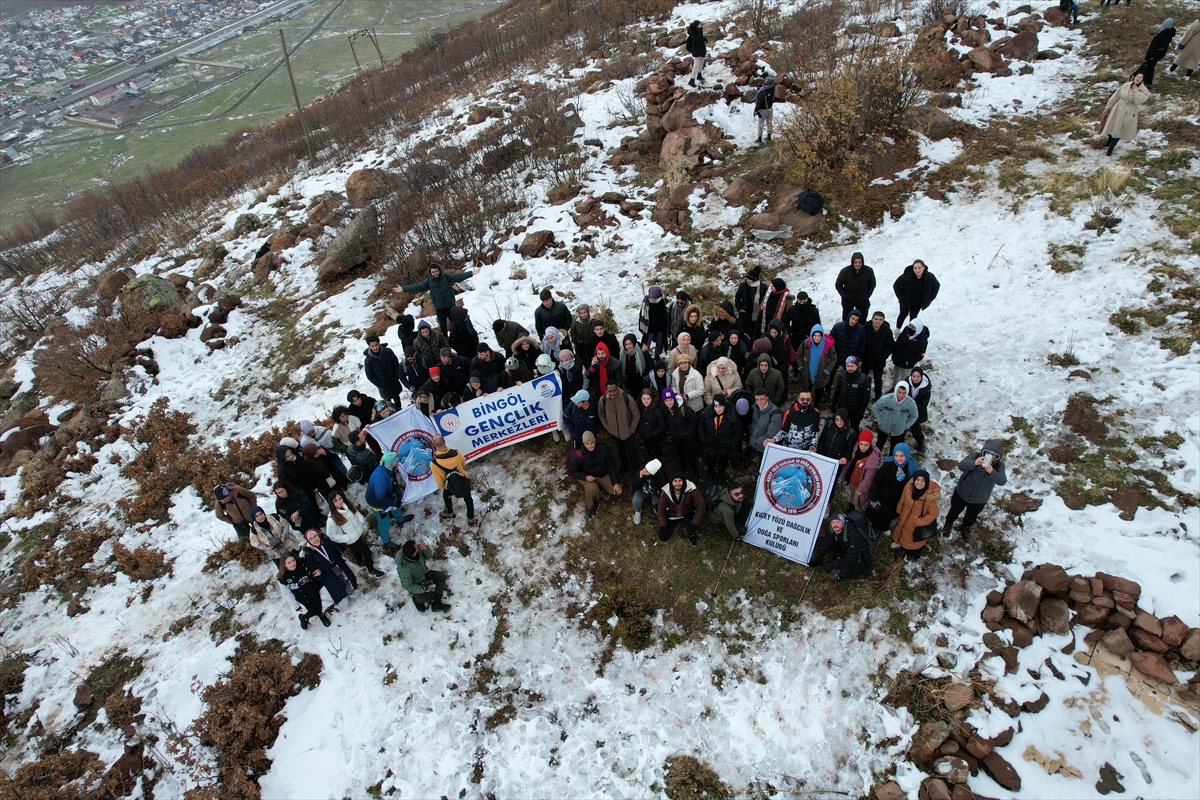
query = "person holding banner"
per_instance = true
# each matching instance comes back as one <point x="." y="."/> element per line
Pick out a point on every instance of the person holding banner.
<point x="680" y="501"/>
<point x="917" y="514"/>
<point x="593" y="464"/>
<point x="450" y="472"/>
<point x="889" y="485"/>
<point x="384" y="496"/>
<point x="733" y="510"/>
<point x="849" y="539"/>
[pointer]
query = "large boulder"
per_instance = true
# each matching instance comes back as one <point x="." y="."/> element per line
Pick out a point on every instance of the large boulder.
<point x="763" y="222"/>
<point x="691" y="144"/>
<point x="246" y="223"/>
<point x="1023" y="46"/>
<point x="365" y="185"/>
<point x="25" y="437"/>
<point x="535" y="243"/>
<point x="355" y="245"/>
<point x="1055" y="17"/>
<point x="152" y="294"/>
<point x="110" y="284"/>
<point x="983" y="59"/>
<point x="784" y="204"/>
<point x="281" y="239"/>
<point x="326" y="209"/>
<point x="680" y="114"/>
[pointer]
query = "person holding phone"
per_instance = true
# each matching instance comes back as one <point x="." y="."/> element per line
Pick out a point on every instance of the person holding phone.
<point x="425" y="585"/>
<point x="982" y="471"/>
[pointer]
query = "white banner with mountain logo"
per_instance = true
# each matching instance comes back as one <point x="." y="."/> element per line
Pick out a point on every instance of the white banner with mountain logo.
<point x="409" y="434"/>
<point x="790" y="500"/>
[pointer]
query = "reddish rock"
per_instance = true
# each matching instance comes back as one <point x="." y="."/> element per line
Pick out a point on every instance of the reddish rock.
<point x="1003" y="738"/>
<point x="1124" y="600"/>
<point x="282" y="240"/>
<point x="958" y="696"/>
<point x="1190" y="649"/>
<point x="1034" y="706"/>
<point x="83" y="696"/>
<point x="1147" y="622"/>
<point x="1001" y="771"/>
<point x="1055" y="616"/>
<point x="889" y="791"/>
<point x="1147" y="641"/>
<point x="962" y="793"/>
<point x="1021" y="635"/>
<point x="365" y="185"/>
<point x="995" y="598"/>
<point x="1011" y="660"/>
<point x="1174" y="631"/>
<point x="982" y="59"/>
<point x="1154" y="666"/>
<point x="763" y="222"/>
<point x="936" y="789"/>
<point x="1103" y="601"/>
<point x="738" y="191"/>
<point x="1090" y="615"/>
<point x="1055" y="17"/>
<point x="1051" y="577"/>
<point x="993" y="613"/>
<point x="1117" y="642"/>
<point x="535" y="243"/>
<point x="1080" y="584"/>
<point x="978" y="746"/>
<point x="1114" y="583"/>
<point x="1117" y="621"/>
<point x="1021" y="600"/>
<point x="211" y="332"/>
<point x="1080" y="597"/>
<point x="1097" y="585"/>
<point x="927" y="741"/>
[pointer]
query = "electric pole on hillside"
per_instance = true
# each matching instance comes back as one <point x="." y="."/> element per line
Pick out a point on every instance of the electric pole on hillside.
<point x="312" y="154"/>
<point x="368" y="33"/>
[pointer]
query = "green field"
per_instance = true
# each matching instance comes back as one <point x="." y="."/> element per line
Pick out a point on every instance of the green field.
<point x="74" y="158"/>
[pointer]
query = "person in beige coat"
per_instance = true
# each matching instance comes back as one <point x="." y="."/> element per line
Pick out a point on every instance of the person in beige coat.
<point x="1187" y="56"/>
<point x="684" y="348"/>
<point x="1122" y="110"/>
<point x="722" y="378"/>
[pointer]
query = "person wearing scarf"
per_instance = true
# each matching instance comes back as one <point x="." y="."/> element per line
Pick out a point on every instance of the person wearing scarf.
<point x="894" y="414"/>
<point x="633" y="364"/>
<point x="720" y="433"/>
<point x="604" y="368"/>
<point x="653" y="320"/>
<point x="818" y="359"/>
<point x="272" y="534"/>
<point x="861" y="469"/>
<point x="918" y="382"/>
<point x="776" y="304"/>
<point x="888" y="485"/>
<point x="917" y="513"/>
<point x="552" y="343"/>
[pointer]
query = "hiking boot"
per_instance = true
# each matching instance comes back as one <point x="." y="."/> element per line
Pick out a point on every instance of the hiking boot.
<point x="391" y="548"/>
<point x="759" y="140"/>
<point x="473" y="521"/>
<point x="947" y="532"/>
<point x="304" y="622"/>
<point x="692" y="83"/>
<point x="325" y="620"/>
<point x="694" y="539"/>
<point x="407" y="518"/>
<point x="421" y="606"/>
<point x="446" y="514"/>
<point x="637" y="518"/>
<point x="375" y="573"/>
<point x="440" y="606"/>
<point x="768" y="137"/>
<point x="591" y="512"/>
<point x="913" y="555"/>
<point x="965" y="531"/>
<point x="556" y="436"/>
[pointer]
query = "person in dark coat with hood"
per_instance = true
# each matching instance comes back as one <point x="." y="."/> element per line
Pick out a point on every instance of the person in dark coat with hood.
<point x="916" y="288"/>
<point x="455" y="369"/>
<point x="429" y="341"/>
<point x="550" y="313"/>
<point x="918" y="383"/>
<point x="878" y="343"/>
<point x="298" y="472"/>
<point x="910" y="348"/>
<point x="696" y="45"/>
<point x="782" y="353"/>
<point x="440" y="286"/>
<point x="852" y="391"/>
<point x="848" y="336"/>
<point x="303" y="583"/>
<point x="1160" y="45"/>
<point x="323" y="554"/>
<point x="507" y="333"/>
<point x="383" y="370"/>
<point x="487" y="365"/>
<point x="889" y="484"/>
<point x="463" y="337"/>
<point x="295" y="506"/>
<point x="837" y="439"/>
<point x="982" y="471"/>
<point x="414" y="369"/>
<point x="847" y="539"/>
<point x="361" y="405"/>
<point x="855" y="284"/>
<point x="748" y="300"/>
<point x="406" y="331"/>
<point x="800" y="319"/>
<point x="720" y="435"/>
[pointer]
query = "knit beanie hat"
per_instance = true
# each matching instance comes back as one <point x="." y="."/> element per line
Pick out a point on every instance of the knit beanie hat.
<point x="655" y="293"/>
<point x="435" y="371"/>
<point x="668" y="394"/>
<point x="653" y="466"/>
<point x="588" y="436"/>
<point x="565" y="356"/>
<point x="512" y="364"/>
<point x="719" y="400"/>
<point x="866" y="436"/>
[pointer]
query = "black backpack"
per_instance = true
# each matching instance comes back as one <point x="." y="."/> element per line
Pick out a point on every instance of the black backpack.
<point x="864" y="527"/>
<point x="810" y="202"/>
<point x="712" y="495"/>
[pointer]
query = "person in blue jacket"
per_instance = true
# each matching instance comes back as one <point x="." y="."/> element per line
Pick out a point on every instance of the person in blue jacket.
<point x="384" y="495"/>
<point x="440" y="286"/>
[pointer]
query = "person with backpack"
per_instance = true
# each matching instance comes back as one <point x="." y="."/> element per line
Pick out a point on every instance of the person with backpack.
<point x="982" y="471"/>
<point x="764" y="111"/>
<point x="695" y="44"/>
<point x="348" y="528"/>
<point x="302" y="584"/>
<point x="850" y="539"/>
<point x="426" y="586"/>
<point x="440" y="286"/>
<point x="917" y="514"/>
<point x="646" y="486"/>
<point x="384" y="496"/>
<point x="463" y="337"/>
<point x="363" y="460"/>
<point x="593" y="465"/>
<point x="680" y="502"/>
<point x="801" y="423"/>
<point x="732" y="508"/>
<point x="450" y="472"/>
<point x="234" y="506"/>
<point x="916" y="288"/>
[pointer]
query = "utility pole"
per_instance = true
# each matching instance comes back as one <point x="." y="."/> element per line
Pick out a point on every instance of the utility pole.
<point x="312" y="153"/>
<point x="367" y="33"/>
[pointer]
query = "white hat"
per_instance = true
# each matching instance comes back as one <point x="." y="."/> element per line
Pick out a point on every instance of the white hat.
<point x="653" y="466"/>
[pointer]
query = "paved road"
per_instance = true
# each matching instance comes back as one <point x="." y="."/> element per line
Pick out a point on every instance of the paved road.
<point x="197" y="45"/>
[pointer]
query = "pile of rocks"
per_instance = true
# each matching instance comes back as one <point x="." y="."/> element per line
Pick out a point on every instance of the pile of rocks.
<point x="1016" y="42"/>
<point x="590" y="212"/>
<point x="1048" y="599"/>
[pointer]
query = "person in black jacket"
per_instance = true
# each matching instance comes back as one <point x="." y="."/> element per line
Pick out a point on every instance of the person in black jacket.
<point x="652" y="426"/>
<point x="1160" y="45"/>
<point x="847" y="539"/>
<point x="550" y="314"/>
<point x="916" y="288"/>
<point x="847" y="338"/>
<point x="919" y="382"/>
<point x="362" y="456"/>
<point x="748" y="300"/>
<point x="507" y="332"/>
<point x="855" y="284"/>
<point x="682" y="425"/>
<point x="463" y="337"/>
<point x="647" y="486"/>
<point x="764" y="111"/>
<point x="455" y="369"/>
<point x="720" y="434"/>
<point x="414" y="370"/>
<point x="383" y="370"/>
<point x="361" y="405"/>
<point x="487" y="365"/>
<point x="837" y="439"/>
<point x="294" y="506"/>
<point x="303" y="583"/>
<point x="852" y="392"/>
<point x="800" y="319"/>
<point x="593" y="464"/>
<point x="298" y="472"/>
<point x="696" y="41"/>
<point x="878" y="343"/>
<point x="910" y="348"/>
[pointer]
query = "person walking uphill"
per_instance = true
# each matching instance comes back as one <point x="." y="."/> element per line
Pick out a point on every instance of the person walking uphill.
<point x="696" y="41"/>
<point x="1188" y="54"/>
<point x="235" y="505"/>
<point x="855" y="284"/>
<point x="1120" y="120"/>
<point x="916" y="288"/>
<point x="450" y="472"/>
<point x="764" y="107"/>
<point x="425" y="585"/>
<point x="680" y="501"/>
<point x="981" y="471"/>
<point x="440" y="286"/>
<point x="383" y="370"/>
<point x="1160" y="45"/>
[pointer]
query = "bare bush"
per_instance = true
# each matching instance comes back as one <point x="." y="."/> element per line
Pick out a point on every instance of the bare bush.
<point x="81" y="357"/>
<point x="932" y="11"/>
<point x="628" y="109"/>
<point x="29" y="314"/>
<point x="811" y="39"/>
<point x="158" y="468"/>
<point x="762" y="15"/>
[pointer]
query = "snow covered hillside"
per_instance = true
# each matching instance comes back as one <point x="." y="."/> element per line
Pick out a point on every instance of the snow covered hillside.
<point x="1067" y="342"/>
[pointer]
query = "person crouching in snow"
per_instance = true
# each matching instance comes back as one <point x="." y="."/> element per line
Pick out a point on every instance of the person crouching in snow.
<point x="848" y="539"/>
<point x="303" y="583"/>
<point x="593" y="465"/>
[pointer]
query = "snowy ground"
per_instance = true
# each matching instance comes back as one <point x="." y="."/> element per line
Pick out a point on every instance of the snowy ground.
<point x="796" y="702"/>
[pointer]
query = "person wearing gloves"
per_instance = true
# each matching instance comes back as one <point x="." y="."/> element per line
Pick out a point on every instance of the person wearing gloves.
<point x="425" y="585"/>
<point x="234" y="505"/>
<point x="302" y="585"/>
<point x="1120" y="119"/>
<point x="861" y="468"/>
<point x="848" y="540"/>
<point x="1187" y="55"/>
<point x="894" y="414"/>
<point x="272" y="534"/>
<point x="440" y="286"/>
<point x="981" y="471"/>
<point x="646" y="486"/>
<point x="384" y="496"/>
<point x="889" y="483"/>
<point x="347" y="527"/>
<point x="916" y="288"/>
<point x="916" y="514"/>
<point x="680" y="501"/>
<point x="732" y="511"/>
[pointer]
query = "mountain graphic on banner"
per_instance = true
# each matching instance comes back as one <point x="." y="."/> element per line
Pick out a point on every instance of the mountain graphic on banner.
<point x="415" y="456"/>
<point x="792" y="487"/>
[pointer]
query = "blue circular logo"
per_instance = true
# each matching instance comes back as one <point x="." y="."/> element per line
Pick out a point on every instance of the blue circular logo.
<point x="793" y="486"/>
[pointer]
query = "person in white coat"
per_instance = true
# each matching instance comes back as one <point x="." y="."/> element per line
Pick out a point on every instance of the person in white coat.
<point x="348" y="527"/>
<point x="1187" y="55"/>
<point x="1121" y="112"/>
<point x="688" y="384"/>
